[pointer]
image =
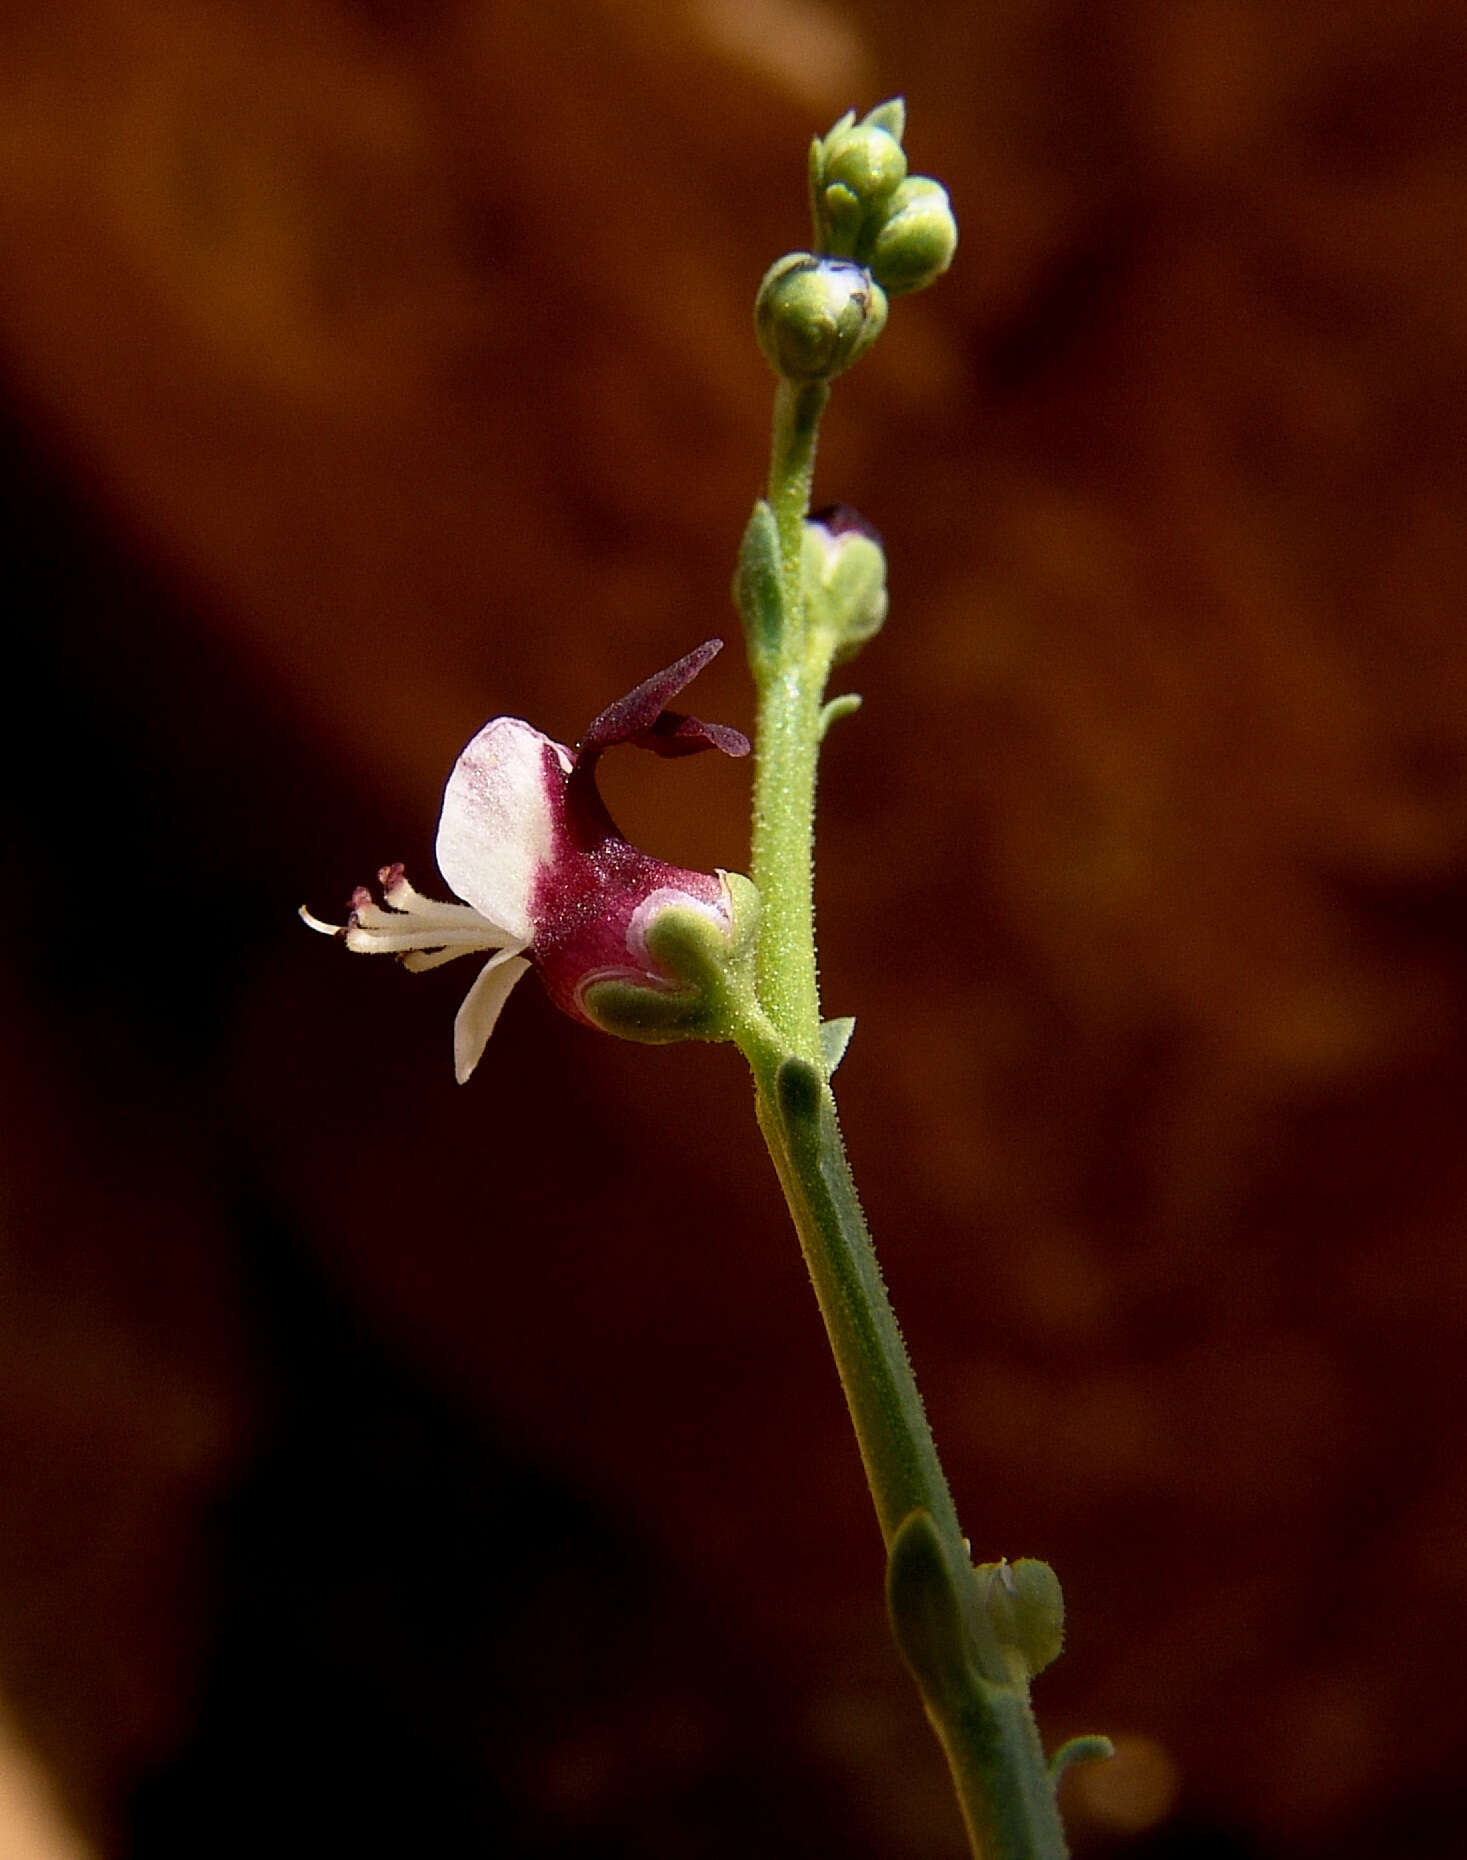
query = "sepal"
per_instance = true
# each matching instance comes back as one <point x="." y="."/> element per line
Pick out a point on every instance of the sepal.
<point x="704" y="964"/>
<point x="651" y="1016"/>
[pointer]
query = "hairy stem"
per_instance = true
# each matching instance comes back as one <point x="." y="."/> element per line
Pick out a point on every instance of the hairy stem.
<point x="976" y="1697"/>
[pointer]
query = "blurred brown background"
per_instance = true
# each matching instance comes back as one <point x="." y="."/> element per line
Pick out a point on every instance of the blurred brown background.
<point x="387" y="1468"/>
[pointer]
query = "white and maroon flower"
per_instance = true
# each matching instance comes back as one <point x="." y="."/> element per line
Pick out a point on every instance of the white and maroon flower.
<point x="526" y="842"/>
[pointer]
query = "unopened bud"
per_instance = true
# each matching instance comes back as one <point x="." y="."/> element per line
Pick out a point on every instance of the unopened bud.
<point x="1027" y="1610"/>
<point x="868" y="161"/>
<point x="854" y="171"/>
<point x="844" y="570"/>
<point x="815" y="316"/>
<point x="917" y="237"/>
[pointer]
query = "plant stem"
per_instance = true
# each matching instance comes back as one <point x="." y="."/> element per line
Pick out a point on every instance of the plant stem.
<point x="988" y="1734"/>
<point x="798" y="406"/>
<point x="978" y="1700"/>
<point x="897" y="1449"/>
<point x="788" y="744"/>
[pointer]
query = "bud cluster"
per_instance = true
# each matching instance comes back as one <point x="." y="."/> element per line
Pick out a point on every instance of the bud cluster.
<point x="866" y="207"/>
<point x="879" y="232"/>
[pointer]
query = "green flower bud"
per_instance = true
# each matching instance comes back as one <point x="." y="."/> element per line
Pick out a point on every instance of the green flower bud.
<point x="1026" y="1609"/>
<point x="870" y="162"/>
<point x="844" y="576"/>
<point x="815" y="316"/>
<point x="916" y="238"/>
<point x="854" y="171"/>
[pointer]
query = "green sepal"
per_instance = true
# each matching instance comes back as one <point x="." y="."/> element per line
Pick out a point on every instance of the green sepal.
<point x="1089" y="1749"/>
<point x="712" y="971"/>
<point x="890" y="116"/>
<point x="1026" y="1607"/>
<point x="842" y="220"/>
<point x="835" y="1037"/>
<point x="653" y="1016"/>
<point x="757" y="591"/>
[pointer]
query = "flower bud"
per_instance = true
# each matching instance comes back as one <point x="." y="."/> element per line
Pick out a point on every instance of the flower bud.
<point x="868" y="161"/>
<point x="815" y="316"/>
<point x="917" y="237"/>
<point x="854" y="171"/>
<point x="844" y="574"/>
<point x="1026" y="1609"/>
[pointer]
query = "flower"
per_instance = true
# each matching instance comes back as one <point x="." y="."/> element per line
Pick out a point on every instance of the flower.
<point x="525" y="841"/>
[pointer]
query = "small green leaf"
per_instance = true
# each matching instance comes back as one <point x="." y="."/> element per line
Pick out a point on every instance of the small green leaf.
<point x="1080" y="1750"/>
<point x="844" y="706"/>
<point x="835" y="1037"/>
<point x="928" y="1618"/>
<point x="756" y="586"/>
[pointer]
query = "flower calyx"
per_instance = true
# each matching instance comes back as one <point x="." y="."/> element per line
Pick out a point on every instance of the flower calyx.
<point x="622" y="941"/>
<point x="704" y="959"/>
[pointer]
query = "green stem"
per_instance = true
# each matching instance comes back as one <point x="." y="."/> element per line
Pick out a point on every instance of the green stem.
<point x="986" y="1728"/>
<point x="897" y="1448"/>
<point x="798" y="406"/>
<point x="976" y="1699"/>
<point x="782" y="863"/>
<point x="788" y="740"/>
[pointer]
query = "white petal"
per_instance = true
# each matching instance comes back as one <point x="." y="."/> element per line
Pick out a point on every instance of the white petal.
<point x="480" y="1009"/>
<point x="497" y="827"/>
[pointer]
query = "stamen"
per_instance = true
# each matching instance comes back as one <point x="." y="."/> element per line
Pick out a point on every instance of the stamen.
<point x="368" y="941"/>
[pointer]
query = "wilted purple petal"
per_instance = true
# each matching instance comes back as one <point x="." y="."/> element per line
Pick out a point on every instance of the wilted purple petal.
<point x="630" y="717"/>
<point x="673" y="734"/>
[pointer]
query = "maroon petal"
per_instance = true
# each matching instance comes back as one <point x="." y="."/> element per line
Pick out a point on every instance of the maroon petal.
<point x="673" y="734"/>
<point x="642" y="716"/>
<point x="844" y="520"/>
